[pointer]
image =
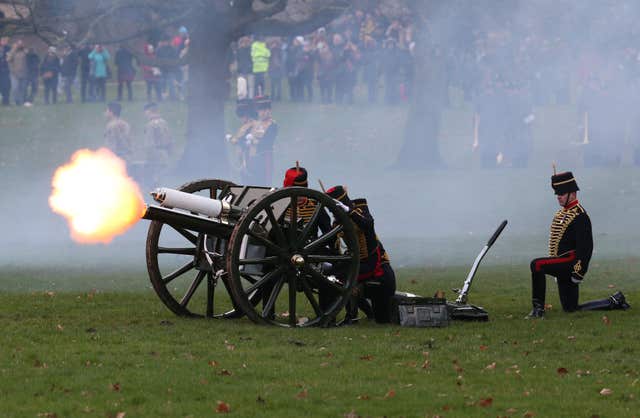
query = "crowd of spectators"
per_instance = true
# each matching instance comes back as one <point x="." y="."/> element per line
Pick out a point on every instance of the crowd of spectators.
<point x="360" y="47"/>
<point x="87" y="68"/>
<point x="533" y="55"/>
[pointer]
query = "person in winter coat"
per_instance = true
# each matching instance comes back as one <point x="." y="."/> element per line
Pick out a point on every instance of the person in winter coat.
<point x="100" y="65"/>
<point x="49" y="71"/>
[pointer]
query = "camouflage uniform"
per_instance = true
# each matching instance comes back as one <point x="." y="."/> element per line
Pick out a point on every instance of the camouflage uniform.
<point x="117" y="136"/>
<point x="158" y="148"/>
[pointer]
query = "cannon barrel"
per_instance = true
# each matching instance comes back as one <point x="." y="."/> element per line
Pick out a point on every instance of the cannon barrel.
<point x="212" y="208"/>
<point x="193" y="212"/>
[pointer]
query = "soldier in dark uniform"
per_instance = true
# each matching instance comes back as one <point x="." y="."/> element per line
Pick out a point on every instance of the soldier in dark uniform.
<point x="376" y="279"/>
<point x="298" y="177"/>
<point x="570" y="248"/>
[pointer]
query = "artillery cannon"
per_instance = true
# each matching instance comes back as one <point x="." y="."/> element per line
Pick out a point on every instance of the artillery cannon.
<point x="286" y="257"/>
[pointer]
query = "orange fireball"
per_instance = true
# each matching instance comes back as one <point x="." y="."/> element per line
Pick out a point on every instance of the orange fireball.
<point x="96" y="196"/>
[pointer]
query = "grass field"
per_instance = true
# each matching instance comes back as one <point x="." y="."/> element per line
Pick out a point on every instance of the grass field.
<point x="101" y="353"/>
<point x="83" y="334"/>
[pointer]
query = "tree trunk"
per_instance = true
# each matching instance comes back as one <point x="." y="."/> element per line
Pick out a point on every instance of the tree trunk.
<point x="430" y="94"/>
<point x="205" y="154"/>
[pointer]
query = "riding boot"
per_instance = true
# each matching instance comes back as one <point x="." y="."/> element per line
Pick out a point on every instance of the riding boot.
<point x="615" y="301"/>
<point x="538" y="310"/>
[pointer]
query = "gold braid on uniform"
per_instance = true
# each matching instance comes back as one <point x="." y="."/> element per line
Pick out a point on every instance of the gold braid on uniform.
<point x="305" y="211"/>
<point x="561" y="221"/>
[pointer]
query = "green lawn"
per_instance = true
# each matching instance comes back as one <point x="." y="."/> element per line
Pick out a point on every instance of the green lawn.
<point x="99" y="353"/>
<point x="83" y="334"/>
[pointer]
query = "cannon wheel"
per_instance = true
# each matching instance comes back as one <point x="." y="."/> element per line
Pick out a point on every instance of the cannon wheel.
<point x="296" y="262"/>
<point x="176" y="288"/>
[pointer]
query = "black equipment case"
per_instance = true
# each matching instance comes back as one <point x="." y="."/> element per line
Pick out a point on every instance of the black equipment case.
<point x="414" y="311"/>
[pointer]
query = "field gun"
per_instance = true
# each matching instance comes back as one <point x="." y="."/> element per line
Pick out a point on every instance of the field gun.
<point x="267" y="247"/>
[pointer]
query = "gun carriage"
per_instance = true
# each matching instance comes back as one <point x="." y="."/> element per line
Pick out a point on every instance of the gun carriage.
<point x="286" y="257"/>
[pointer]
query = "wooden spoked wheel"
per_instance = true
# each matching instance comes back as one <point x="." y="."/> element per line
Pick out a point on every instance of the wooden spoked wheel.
<point x="178" y="269"/>
<point x="298" y="252"/>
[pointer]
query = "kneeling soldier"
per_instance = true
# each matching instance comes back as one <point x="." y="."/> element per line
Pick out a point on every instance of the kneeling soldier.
<point x="376" y="278"/>
<point x="570" y="248"/>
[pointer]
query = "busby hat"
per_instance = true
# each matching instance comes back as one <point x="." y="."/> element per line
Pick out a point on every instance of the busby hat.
<point x="263" y="102"/>
<point x="295" y="176"/>
<point x="563" y="183"/>
<point x="245" y="107"/>
<point x="339" y="193"/>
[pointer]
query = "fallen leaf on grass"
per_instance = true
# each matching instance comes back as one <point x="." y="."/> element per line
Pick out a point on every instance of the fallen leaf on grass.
<point x="260" y="400"/>
<point x="48" y="415"/>
<point x="485" y="402"/>
<point x="611" y="286"/>
<point x="115" y="387"/>
<point x="571" y="337"/>
<point x="606" y="320"/>
<point x="390" y="394"/>
<point x="483" y="347"/>
<point x="446" y="407"/>
<point x="59" y="327"/>
<point x="367" y="357"/>
<point x="426" y="364"/>
<point x="324" y="364"/>
<point x="364" y="397"/>
<point x="303" y="394"/>
<point x="50" y="293"/>
<point x="606" y="392"/>
<point x="223" y="408"/>
<point x="231" y="347"/>
<point x="528" y="414"/>
<point x="40" y="364"/>
<point x="121" y="414"/>
<point x="213" y="363"/>
<point x="351" y="414"/>
<point x="457" y="367"/>
<point x="225" y="372"/>
<point x="491" y="366"/>
<point x="511" y="411"/>
<point x="562" y="371"/>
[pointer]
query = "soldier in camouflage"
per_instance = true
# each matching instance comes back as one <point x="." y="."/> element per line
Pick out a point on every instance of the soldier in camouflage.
<point x="570" y="248"/>
<point x="117" y="134"/>
<point x="158" y="144"/>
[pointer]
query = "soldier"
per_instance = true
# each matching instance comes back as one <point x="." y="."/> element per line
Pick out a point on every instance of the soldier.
<point x="260" y="141"/>
<point x="297" y="177"/>
<point x="570" y="248"/>
<point x="158" y="143"/>
<point x="117" y="134"/>
<point x="245" y="110"/>
<point x="377" y="280"/>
